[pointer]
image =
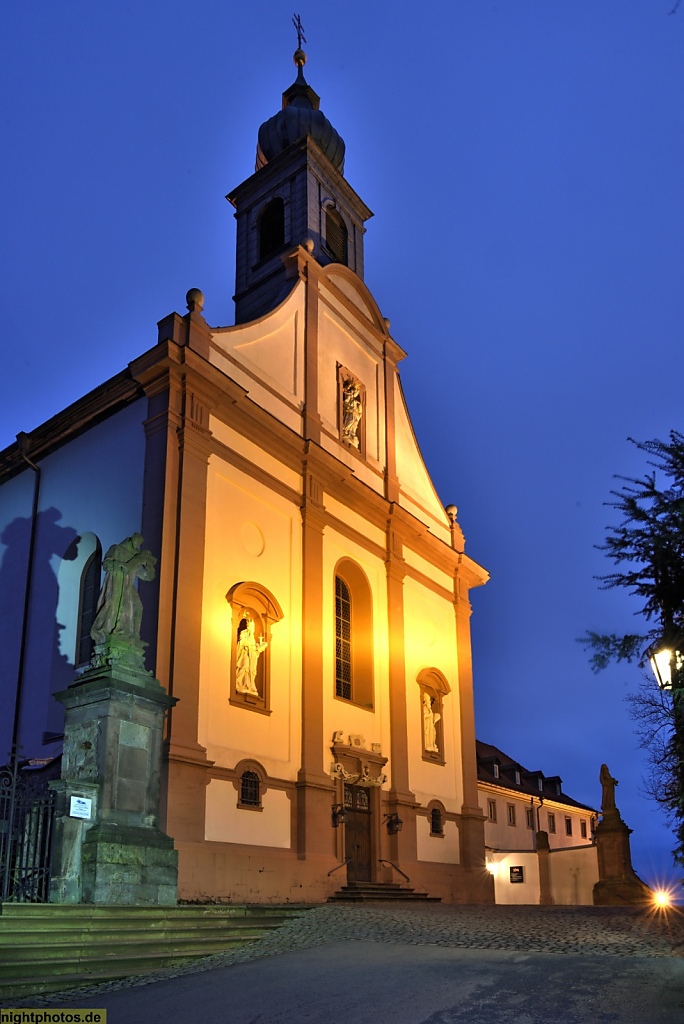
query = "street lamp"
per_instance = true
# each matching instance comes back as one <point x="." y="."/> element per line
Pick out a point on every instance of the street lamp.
<point x="666" y="661"/>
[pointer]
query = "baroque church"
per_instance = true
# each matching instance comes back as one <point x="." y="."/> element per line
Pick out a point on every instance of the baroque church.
<point x="310" y="610"/>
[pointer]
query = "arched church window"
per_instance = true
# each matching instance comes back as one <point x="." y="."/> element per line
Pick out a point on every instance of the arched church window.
<point x="336" y="238"/>
<point x="436" y="822"/>
<point x="250" y="790"/>
<point x="271" y="227"/>
<point x="89" y="591"/>
<point x="353" y="635"/>
<point x="343" y="662"/>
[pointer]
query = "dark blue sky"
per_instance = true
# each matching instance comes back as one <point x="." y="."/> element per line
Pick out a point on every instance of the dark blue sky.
<point x="524" y="163"/>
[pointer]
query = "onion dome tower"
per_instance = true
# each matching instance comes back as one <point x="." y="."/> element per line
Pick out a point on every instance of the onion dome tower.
<point x="297" y="196"/>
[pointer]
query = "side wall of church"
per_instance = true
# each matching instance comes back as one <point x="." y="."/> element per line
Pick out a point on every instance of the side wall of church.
<point x="90" y="491"/>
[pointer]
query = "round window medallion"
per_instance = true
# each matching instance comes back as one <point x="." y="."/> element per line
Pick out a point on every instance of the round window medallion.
<point x="252" y="539"/>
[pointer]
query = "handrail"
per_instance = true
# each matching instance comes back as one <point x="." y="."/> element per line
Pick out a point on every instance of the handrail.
<point x="338" y="866"/>
<point x="381" y="861"/>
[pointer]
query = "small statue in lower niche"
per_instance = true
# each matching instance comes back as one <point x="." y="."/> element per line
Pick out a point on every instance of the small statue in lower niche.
<point x="247" y="659"/>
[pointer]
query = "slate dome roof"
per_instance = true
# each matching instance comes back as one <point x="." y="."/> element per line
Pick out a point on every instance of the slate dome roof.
<point x="300" y="116"/>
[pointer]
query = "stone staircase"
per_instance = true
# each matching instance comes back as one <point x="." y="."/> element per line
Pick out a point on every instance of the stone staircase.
<point x="372" y="892"/>
<point x="47" y="947"/>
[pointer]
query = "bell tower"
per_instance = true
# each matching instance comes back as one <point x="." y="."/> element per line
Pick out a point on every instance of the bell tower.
<point x="297" y="195"/>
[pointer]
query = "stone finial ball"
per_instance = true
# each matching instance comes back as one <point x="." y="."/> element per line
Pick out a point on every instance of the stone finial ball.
<point x="299" y="57"/>
<point x="452" y="512"/>
<point x="309" y="244"/>
<point x="195" y="300"/>
<point x="387" y="322"/>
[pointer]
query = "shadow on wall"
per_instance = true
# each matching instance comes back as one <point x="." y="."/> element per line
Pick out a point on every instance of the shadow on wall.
<point x="45" y="669"/>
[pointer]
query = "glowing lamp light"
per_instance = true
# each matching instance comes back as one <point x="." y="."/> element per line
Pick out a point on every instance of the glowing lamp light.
<point x="661" y="664"/>
<point x="492" y="868"/>
<point x="662" y="899"/>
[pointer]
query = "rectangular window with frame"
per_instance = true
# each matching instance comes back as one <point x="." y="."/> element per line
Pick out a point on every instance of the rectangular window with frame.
<point x="568" y="826"/>
<point x="583" y="829"/>
<point x="529" y="817"/>
<point x="491" y="809"/>
<point x="552" y="821"/>
<point x="510" y="813"/>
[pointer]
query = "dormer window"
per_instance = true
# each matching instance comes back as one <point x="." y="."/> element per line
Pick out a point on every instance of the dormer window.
<point x="517" y="778"/>
<point x="271" y="228"/>
<point x="540" y="783"/>
<point x="336" y="235"/>
<point x="495" y="770"/>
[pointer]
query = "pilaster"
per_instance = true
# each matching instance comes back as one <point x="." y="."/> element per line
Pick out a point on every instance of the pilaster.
<point x="314" y="787"/>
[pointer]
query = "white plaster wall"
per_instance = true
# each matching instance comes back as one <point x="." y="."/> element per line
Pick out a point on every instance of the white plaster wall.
<point x="558" y="839"/>
<point x="254" y="453"/>
<point x="438" y="849"/>
<point x="353" y="519"/>
<point x="91" y="484"/>
<point x="430" y="642"/>
<point x="228" y="823"/>
<point x="69" y="581"/>
<point x="499" y="835"/>
<point x="507" y="892"/>
<point x="444" y="579"/>
<point x="373" y="724"/>
<point x="266" y="357"/>
<point x="413" y="476"/>
<point x="252" y="534"/>
<point x="574" y="873"/>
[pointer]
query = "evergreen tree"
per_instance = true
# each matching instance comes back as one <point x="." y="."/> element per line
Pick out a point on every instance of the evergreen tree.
<point x="647" y="549"/>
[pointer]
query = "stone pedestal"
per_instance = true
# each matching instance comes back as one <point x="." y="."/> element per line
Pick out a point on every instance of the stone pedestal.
<point x="112" y="757"/>
<point x="618" y="883"/>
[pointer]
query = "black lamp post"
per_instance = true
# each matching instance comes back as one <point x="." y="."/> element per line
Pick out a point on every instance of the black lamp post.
<point x="667" y="662"/>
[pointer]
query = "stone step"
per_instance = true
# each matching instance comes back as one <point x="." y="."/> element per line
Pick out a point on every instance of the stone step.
<point x="119" y="931"/>
<point x="113" y="943"/>
<point x="71" y="972"/>
<point x="420" y="897"/>
<point x="47" y="947"/>
<point x="367" y="892"/>
<point x="52" y="959"/>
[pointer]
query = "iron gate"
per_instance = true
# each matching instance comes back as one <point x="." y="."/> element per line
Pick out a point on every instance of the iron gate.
<point x="26" y="823"/>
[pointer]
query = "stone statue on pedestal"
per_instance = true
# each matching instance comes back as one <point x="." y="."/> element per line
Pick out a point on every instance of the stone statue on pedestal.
<point x="116" y="629"/>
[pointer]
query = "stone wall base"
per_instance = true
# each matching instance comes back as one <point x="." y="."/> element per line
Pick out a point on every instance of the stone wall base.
<point x="223" y="872"/>
<point x="129" y="865"/>
<point x="620" y="892"/>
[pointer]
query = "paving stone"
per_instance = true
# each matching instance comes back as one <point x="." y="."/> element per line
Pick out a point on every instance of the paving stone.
<point x="587" y="931"/>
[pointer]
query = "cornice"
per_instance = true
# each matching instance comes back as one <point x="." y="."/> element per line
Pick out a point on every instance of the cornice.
<point x="105" y="400"/>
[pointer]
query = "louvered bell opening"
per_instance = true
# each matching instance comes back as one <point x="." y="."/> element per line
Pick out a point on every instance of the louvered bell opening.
<point x="336" y="236"/>
<point x="271" y="228"/>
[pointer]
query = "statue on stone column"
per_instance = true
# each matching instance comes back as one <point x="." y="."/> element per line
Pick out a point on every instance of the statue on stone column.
<point x="608" y="784"/>
<point x="430" y="720"/>
<point x="352" y="411"/>
<point x="247" y="658"/>
<point x="119" y="608"/>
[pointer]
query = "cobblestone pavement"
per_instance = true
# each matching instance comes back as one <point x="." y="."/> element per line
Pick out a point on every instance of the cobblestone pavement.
<point x="580" y="931"/>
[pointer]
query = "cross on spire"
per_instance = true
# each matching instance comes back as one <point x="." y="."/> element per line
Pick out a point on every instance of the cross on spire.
<point x="299" y="29"/>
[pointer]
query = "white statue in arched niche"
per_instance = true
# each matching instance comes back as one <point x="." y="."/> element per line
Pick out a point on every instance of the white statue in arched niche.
<point x="430" y="720"/>
<point x="249" y="647"/>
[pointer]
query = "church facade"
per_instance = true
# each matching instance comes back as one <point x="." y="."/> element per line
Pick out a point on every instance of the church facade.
<point x="310" y="612"/>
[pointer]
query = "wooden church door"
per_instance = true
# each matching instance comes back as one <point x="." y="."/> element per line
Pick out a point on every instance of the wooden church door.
<point x="357" y="833"/>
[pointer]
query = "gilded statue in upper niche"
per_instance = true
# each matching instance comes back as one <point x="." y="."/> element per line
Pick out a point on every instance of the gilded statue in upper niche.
<point x="352" y="411"/>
